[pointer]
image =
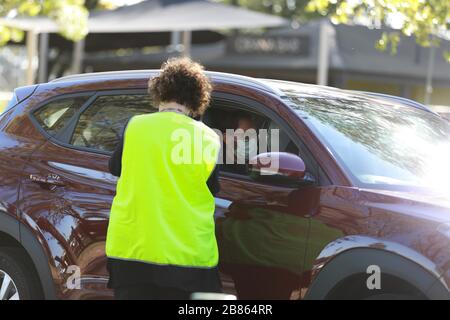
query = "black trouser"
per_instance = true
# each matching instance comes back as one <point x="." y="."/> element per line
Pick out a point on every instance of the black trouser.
<point x="149" y="292"/>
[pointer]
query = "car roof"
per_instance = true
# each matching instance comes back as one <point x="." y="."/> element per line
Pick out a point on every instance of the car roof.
<point x="331" y="92"/>
<point x="402" y="100"/>
<point x="275" y="87"/>
<point x="145" y="74"/>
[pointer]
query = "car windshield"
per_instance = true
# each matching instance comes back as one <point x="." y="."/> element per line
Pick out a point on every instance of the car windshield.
<point x="380" y="144"/>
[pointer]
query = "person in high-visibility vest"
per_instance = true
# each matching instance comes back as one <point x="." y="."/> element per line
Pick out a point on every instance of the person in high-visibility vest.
<point x="161" y="236"/>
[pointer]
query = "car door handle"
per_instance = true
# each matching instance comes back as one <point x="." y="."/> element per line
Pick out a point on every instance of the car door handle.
<point x="222" y="203"/>
<point x="51" y="179"/>
<point x="222" y="206"/>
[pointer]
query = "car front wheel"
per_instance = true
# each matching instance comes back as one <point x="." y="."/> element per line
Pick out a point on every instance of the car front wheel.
<point x="17" y="280"/>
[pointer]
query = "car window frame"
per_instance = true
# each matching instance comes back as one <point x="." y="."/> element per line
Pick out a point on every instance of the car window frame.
<point x="251" y="105"/>
<point x="67" y="135"/>
<point x="88" y="94"/>
<point x="63" y="137"/>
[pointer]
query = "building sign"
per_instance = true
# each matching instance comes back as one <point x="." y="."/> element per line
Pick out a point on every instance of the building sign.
<point x="297" y="45"/>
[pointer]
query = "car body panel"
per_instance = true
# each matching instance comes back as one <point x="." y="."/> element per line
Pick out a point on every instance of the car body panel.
<point x="351" y="218"/>
<point x="73" y="217"/>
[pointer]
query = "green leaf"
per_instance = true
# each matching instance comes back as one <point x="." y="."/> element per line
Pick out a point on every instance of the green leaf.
<point x="70" y="15"/>
<point x="423" y="19"/>
<point x="447" y="55"/>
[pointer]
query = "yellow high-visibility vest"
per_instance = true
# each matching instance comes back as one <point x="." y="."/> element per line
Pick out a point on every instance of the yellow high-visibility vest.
<point x="163" y="211"/>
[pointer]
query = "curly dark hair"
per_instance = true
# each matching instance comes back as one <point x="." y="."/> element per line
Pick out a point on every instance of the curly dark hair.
<point x="183" y="81"/>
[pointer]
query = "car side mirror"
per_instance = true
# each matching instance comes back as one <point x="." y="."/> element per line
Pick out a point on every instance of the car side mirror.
<point x="279" y="168"/>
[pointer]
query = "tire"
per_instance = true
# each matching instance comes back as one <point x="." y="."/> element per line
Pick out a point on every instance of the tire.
<point x="18" y="279"/>
<point x="355" y="288"/>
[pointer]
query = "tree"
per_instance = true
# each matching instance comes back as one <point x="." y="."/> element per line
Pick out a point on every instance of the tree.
<point x="70" y="15"/>
<point x="426" y="20"/>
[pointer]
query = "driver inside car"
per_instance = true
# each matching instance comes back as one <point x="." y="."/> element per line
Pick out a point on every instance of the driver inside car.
<point x="241" y="144"/>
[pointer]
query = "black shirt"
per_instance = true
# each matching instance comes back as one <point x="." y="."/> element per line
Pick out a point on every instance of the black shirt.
<point x="129" y="273"/>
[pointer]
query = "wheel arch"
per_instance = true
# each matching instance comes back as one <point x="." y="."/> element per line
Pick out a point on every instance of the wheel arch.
<point x="23" y="236"/>
<point x="351" y="256"/>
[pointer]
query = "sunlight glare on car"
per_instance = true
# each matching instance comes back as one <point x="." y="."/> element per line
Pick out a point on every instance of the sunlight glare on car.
<point x="433" y="170"/>
<point x="437" y="170"/>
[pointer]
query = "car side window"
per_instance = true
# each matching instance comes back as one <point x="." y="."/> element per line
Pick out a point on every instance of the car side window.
<point x="101" y="125"/>
<point x="223" y="118"/>
<point x="55" y="115"/>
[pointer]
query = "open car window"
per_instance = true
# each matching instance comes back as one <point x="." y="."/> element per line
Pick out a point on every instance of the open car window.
<point x="223" y="118"/>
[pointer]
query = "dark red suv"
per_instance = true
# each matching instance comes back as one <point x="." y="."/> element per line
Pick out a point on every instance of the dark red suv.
<point x="359" y="207"/>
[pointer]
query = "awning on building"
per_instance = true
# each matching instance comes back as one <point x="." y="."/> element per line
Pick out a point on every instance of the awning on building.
<point x="159" y="15"/>
<point x="179" y="15"/>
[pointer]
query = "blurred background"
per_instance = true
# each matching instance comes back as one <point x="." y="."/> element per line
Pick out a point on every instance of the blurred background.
<point x="394" y="47"/>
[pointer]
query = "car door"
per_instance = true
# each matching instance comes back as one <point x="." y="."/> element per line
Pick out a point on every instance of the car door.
<point x="262" y="227"/>
<point x="67" y="189"/>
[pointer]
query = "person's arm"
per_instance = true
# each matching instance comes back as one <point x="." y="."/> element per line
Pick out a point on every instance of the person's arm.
<point x="115" y="162"/>
<point x="213" y="181"/>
